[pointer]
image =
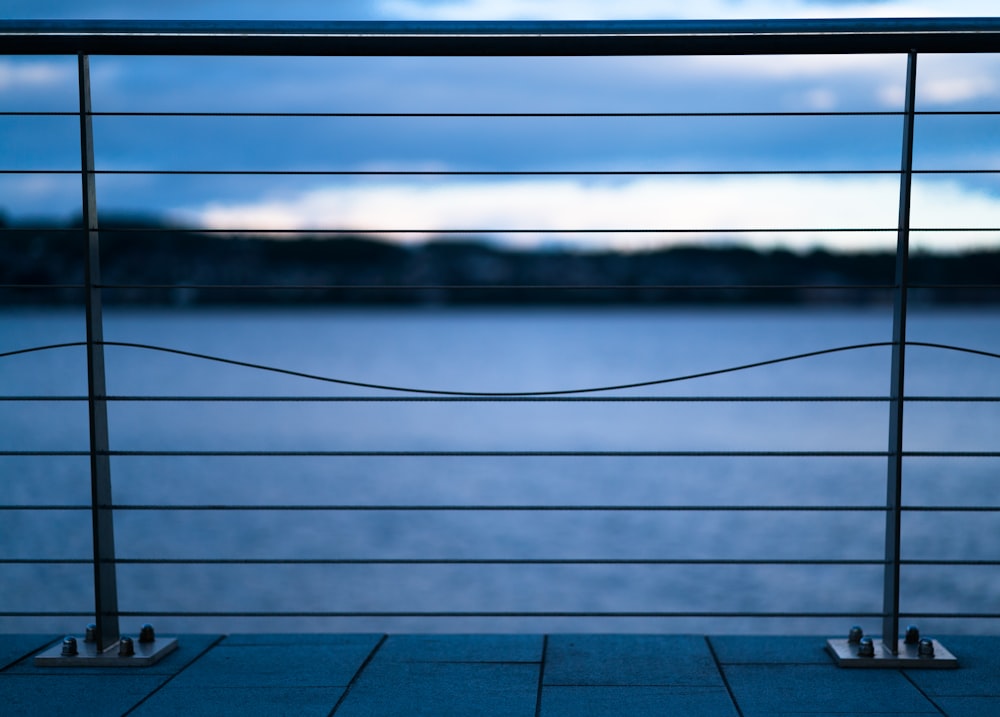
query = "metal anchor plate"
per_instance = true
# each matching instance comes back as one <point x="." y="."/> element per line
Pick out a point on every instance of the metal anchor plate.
<point x="146" y="654"/>
<point x="845" y="653"/>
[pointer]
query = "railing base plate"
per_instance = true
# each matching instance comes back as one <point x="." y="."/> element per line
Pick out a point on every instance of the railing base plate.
<point x="146" y="654"/>
<point x="845" y="654"/>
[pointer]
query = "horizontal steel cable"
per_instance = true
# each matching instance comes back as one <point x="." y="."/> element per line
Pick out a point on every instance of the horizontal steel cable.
<point x="318" y="231"/>
<point x="487" y="454"/>
<point x="481" y="287"/>
<point x="505" y="287"/>
<point x="472" y="231"/>
<point x="506" y="561"/>
<point x="495" y="399"/>
<point x="381" y="387"/>
<point x="484" y="508"/>
<point x="478" y="115"/>
<point x="484" y="172"/>
<point x="358" y="384"/>
<point x="514" y="508"/>
<point x="324" y="231"/>
<point x="450" y="561"/>
<point x="501" y="399"/>
<point x="506" y="614"/>
<point x="490" y="454"/>
<point x="502" y="287"/>
<point x="489" y="230"/>
<point x="494" y="172"/>
<point x="460" y="614"/>
<point x="937" y="562"/>
<point x="500" y="115"/>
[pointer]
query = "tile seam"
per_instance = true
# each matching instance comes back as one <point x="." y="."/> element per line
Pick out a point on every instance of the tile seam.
<point x="722" y="675"/>
<point x="541" y="676"/>
<point x="171" y="678"/>
<point x="924" y="694"/>
<point x="28" y="654"/>
<point x="357" y="674"/>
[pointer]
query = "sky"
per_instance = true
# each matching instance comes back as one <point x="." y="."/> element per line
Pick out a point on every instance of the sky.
<point x="518" y="209"/>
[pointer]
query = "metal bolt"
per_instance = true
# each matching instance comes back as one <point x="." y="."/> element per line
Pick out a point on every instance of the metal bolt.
<point x="91" y="634"/>
<point x="855" y="635"/>
<point x="69" y="648"/>
<point x="926" y="648"/>
<point x="147" y="634"/>
<point x="866" y="648"/>
<point x="912" y="635"/>
<point x="126" y="648"/>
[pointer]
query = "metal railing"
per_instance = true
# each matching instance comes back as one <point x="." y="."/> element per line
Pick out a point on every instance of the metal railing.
<point x="84" y="39"/>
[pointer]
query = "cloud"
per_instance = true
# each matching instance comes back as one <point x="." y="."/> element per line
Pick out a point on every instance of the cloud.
<point x="781" y="67"/>
<point x="703" y="204"/>
<point x="948" y="80"/>
<point x="951" y="79"/>
<point x="829" y="81"/>
<point x="18" y="76"/>
<point x="821" y="99"/>
<point x="489" y="9"/>
<point x="657" y="9"/>
<point x="944" y="80"/>
<point x="188" y="9"/>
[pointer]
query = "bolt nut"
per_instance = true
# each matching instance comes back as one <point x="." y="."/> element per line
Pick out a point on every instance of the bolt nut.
<point x="69" y="648"/>
<point x="126" y="648"/>
<point x="866" y="648"/>
<point x="855" y="635"/>
<point x="912" y="635"/>
<point x="926" y="648"/>
<point x="147" y="634"/>
<point x="91" y="634"/>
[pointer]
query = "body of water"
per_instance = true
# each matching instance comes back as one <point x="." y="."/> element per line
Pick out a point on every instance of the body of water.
<point x="494" y="350"/>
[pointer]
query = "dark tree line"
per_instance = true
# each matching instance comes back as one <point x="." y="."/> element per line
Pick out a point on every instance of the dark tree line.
<point x="148" y="263"/>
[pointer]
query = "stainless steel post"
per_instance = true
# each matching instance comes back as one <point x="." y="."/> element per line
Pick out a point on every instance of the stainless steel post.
<point x="894" y="478"/>
<point x="105" y="583"/>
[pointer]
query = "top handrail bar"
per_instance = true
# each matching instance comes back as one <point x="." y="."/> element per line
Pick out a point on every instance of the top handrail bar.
<point x="515" y="38"/>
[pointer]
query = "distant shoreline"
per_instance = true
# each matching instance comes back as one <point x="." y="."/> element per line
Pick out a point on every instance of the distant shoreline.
<point x="153" y="264"/>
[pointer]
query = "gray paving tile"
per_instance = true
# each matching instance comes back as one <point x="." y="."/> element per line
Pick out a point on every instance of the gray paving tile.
<point x="806" y="711"/>
<point x="29" y="690"/>
<point x="332" y="664"/>
<point x="800" y="689"/>
<point x="442" y="689"/>
<point x="635" y="701"/>
<point x="771" y="650"/>
<point x="462" y="648"/>
<point x="978" y="673"/>
<point x="488" y="675"/>
<point x="624" y="660"/>
<point x="16" y="647"/>
<point x="220" y="701"/>
<point x="83" y="695"/>
<point x="969" y="706"/>
<point x="307" y="638"/>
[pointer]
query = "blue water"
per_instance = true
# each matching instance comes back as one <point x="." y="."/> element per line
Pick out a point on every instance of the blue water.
<point x="499" y="351"/>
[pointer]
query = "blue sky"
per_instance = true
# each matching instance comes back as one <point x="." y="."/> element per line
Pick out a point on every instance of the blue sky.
<point x="852" y="83"/>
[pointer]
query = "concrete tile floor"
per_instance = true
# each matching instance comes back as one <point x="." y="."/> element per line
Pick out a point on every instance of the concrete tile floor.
<point x="498" y="675"/>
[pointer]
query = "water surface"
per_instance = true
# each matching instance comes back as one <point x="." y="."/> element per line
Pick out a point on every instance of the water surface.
<point x="525" y="350"/>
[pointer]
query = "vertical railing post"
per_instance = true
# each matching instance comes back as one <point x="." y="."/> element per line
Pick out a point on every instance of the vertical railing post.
<point x="894" y="477"/>
<point x="912" y="651"/>
<point x="105" y="583"/>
